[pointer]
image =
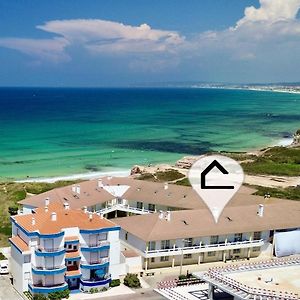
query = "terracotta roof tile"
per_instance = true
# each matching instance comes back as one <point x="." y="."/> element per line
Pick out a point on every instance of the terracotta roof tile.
<point x="19" y="243"/>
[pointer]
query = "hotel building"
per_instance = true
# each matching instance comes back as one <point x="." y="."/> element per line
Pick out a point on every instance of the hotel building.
<point x="167" y="225"/>
<point x="55" y="248"/>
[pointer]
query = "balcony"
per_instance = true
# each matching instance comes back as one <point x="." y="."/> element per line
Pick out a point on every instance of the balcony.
<point x="203" y="248"/>
<point x="40" y="251"/>
<point x="48" y="270"/>
<point x="125" y="208"/>
<point x="95" y="264"/>
<point x="39" y="288"/>
<point x="95" y="281"/>
<point x="100" y="245"/>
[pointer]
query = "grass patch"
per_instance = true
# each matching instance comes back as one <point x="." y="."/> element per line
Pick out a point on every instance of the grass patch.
<point x="162" y="176"/>
<point x="185" y="181"/>
<point x="279" y="161"/>
<point x="291" y="193"/>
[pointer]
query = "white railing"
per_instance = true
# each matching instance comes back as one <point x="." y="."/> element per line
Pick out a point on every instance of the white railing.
<point x="124" y="207"/>
<point x="96" y="244"/>
<point x="100" y="261"/>
<point x="210" y="247"/>
<point x="48" y="267"/>
<point x="43" y="249"/>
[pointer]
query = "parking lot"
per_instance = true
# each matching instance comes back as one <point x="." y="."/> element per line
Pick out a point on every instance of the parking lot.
<point x="6" y="289"/>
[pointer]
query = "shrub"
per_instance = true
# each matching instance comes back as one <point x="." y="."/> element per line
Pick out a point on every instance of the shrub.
<point x="59" y="295"/>
<point x="104" y="289"/>
<point x="115" y="282"/>
<point x="181" y="277"/>
<point x="2" y="257"/>
<point x="40" y="297"/>
<point x="132" y="281"/>
<point x="13" y="210"/>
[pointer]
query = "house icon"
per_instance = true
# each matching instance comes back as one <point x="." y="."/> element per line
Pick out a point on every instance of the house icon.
<point x="214" y="164"/>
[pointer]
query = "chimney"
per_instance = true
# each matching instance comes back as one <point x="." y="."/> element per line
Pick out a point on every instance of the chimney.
<point x="109" y="178"/>
<point x="74" y="188"/>
<point x="46" y="208"/>
<point x="33" y="221"/>
<point x="168" y="216"/>
<point x="161" y="214"/>
<point x="78" y="189"/>
<point x="90" y="216"/>
<point x="66" y="206"/>
<point x="166" y="186"/>
<point x="100" y="183"/>
<point x="84" y="209"/>
<point x="260" y="211"/>
<point x="53" y="216"/>
<point x="101" y="216"/>
<point x="47" y="201"/>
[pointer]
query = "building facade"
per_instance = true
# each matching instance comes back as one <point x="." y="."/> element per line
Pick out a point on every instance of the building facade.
<point x="57" y="249"/>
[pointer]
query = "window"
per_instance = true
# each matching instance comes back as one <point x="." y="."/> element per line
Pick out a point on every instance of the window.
<point x="151" y="207"/>
<point x="256" y="249"/>
<point x="236" y="251"/>
<point x="152" y="259"/>
<point x="102" y="236"/>
<point x="70" y="246"/>
<point x="27" y="259"/>
<point x="151" y="245"/>
<point x="214" y="239"/>
<point x="211" y="253"/>
<point x="165" y="244"/>
<point x="164" y="258"/>
<point x="238" y="237"/>
<point x="139" y="205"/>
<point x="187" y="256"/>
<point x="126" y="236"/>
<point x="188" y="242"/>
<point x="257" y="235"/>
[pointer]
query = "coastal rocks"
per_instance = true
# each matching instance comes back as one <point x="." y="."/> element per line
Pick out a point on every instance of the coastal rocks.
<point x="135" y="170"/>
<point x="186" y="162"/>
<point x="296" y="138"/>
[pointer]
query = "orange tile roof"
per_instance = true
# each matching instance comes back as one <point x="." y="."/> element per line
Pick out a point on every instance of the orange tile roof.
<point x="73" y="273"/>
<point x="19" y="243"/>
<point x="65" y="218"/>
<point x="72" y="254"/>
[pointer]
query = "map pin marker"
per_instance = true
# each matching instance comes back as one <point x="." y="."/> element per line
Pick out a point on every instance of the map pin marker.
<point x="216" y="179"/>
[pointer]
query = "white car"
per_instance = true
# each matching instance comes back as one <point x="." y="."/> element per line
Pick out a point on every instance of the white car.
<point x="3" y="267"/>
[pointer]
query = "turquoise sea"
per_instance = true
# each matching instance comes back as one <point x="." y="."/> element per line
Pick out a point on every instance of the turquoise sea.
<point x="47" y="132"/>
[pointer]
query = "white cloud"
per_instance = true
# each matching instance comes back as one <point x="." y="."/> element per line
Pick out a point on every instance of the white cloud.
<point x="271" y="11"/>
<point x="40" y="49"/>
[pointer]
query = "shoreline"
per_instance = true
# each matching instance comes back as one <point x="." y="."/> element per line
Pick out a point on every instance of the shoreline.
<point x="278" y="90"/>
<point x="283" y="142"/>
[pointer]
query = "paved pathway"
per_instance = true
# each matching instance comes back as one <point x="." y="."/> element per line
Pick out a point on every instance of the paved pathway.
<point x="7" y="292"/>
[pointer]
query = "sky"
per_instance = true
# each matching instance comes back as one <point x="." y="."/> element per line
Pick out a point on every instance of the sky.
<point x="85" y="43"/>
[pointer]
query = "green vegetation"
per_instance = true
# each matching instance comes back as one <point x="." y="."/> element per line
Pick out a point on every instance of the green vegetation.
<point x="10" y="194"/>
<point x="2" y="257"/>
<point x="185" y="181"/>
<point x="279" y="161"/>
<point x="40" y="297"/>
<point x="162" y="176"/>
<point x="291" y="193"/>
<point x="59" y="295"/>
<point x="115" y="282"/>
<point x="132" y="281"/>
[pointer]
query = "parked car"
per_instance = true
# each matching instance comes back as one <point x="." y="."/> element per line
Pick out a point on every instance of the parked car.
<point x="3" y="267"/>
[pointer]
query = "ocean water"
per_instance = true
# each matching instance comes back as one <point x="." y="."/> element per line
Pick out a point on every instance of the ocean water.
<point x="56" y="132"/>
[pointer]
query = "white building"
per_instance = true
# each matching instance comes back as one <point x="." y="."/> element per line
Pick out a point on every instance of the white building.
<point x="56" y="248"/>
<point x="167" y="225"/>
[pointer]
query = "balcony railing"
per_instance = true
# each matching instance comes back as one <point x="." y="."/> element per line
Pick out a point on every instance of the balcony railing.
<point x="39" y="288"/>
<point x="96" y="244"/>
<point x="204" y="248"/>
<point x="100" y="261"/>
<point x="50" y="250"/>
<point x="48" y="267"/>
<point x="125" y="207"/>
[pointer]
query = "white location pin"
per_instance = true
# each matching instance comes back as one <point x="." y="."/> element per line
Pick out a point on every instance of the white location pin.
<point x="216" y="179"/>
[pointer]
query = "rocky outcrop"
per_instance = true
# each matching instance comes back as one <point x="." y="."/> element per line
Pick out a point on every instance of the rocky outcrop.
<point x="186" y="162"/>
<point x="296" y="138"/>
